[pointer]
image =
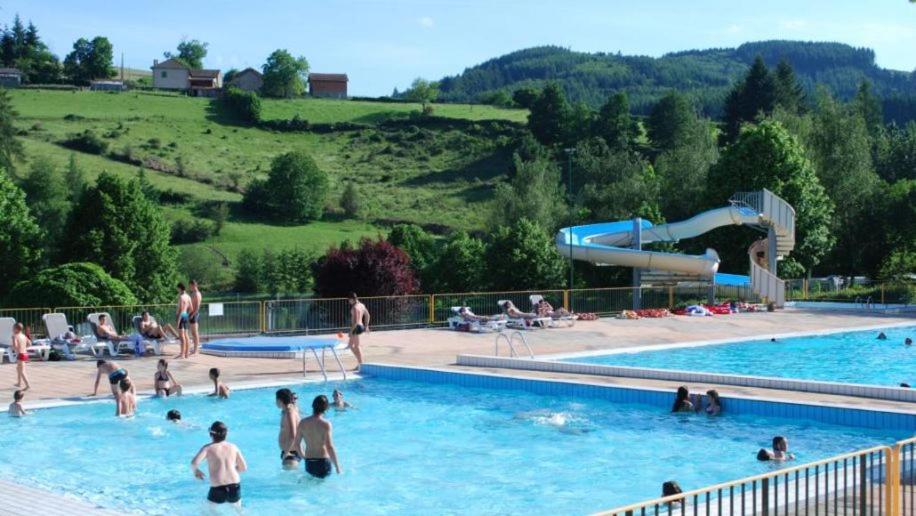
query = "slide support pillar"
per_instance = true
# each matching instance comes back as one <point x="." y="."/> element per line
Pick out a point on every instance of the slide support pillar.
<point x="771" y="250"/>
<point x="637" y="272"/>
<point x="711" y="293"/>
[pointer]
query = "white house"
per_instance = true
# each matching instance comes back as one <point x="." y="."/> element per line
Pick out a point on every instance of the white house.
<point x="172" y="74"/>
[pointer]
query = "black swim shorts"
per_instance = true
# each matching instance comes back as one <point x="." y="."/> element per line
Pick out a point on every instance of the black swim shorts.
<point x="318" y="468"/>
<point x="116" y="376"/>
<point x="359" y="329"/>
<point x="229" y="493"/>
<point x="193" y="317"/>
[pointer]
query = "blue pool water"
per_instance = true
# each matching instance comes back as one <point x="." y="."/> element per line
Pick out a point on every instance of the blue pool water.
<point x="851" y="357"/>
<point x="408" y="447"/>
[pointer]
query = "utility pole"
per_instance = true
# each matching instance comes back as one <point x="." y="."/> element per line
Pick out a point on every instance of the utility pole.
<point x="122" y="67"/>
<point x="572" y="206"/>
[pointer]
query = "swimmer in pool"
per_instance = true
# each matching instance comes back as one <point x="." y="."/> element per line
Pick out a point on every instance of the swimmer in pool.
<point x="908" y="341"/>
<point x="339" y="403"/>
<point x="713" y="404"/>
<point x="316" y="431"/>
<point x="682" y="401"/>
<point x="114" y="372"/>
<point x="16" y="409"/>
<point x="220" y="389"/>
<point x="126" y="402"/>
<point x="225" y="463"/>
<point x="173" y="416"/>
<point x="780" y="451"/>
<point x="290" y="454"/>
<point x="182" y="319"/>
<point x="882" y="336"/>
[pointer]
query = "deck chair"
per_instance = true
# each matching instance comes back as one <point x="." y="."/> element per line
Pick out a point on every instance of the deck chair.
<point x="114" y="347"/>
<point x="568" y="319"/>
<point x="58" y="329"/>
<point x="460" y="323"/>
<point x="40" y="351"/>
<point x="156" y="344"/>
<point x="522" y="323"/>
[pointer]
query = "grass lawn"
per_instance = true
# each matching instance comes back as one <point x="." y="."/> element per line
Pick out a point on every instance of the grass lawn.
<point x="330" y="110"/>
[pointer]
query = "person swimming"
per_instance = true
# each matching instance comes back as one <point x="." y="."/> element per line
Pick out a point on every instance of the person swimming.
<point x="780" y="451"/>
<point x="682" y="401"/>
<point x="671" y="488"/>
<point x="339" y="403"/>
<point x="908" y="341"/>
<point x="714" y="403"/>
<point x="882" y="336"/>
<point x="173" y="415"/>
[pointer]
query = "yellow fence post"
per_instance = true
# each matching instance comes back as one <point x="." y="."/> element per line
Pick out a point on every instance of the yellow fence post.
<point x="805" y="289"/>
<point x="262" y="315"/>
<point x="892" y="474"/>
<point x="566" y="300"/>
<point x="432" y="308"/>
<point x="670" y="297"/>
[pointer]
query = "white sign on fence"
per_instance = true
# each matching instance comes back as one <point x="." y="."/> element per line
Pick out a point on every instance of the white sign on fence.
<point x="216" y="309"/>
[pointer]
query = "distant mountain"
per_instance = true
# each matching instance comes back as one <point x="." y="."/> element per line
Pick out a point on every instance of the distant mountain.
<point x="705" y="75"/>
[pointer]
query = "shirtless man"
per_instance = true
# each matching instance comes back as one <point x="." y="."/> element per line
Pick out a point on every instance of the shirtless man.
<point x="194" y="315"/>
<point x="182" y="319"/>
<point x="114" y="372"/>
<point x="315" y="430"/>
<point x="225" y="462"/>
<point x="151" y="329"/>
<point x="290" y="455"/>
<point x="359" y="324"/>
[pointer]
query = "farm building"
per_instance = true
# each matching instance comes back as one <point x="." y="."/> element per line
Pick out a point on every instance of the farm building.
<point x="107" y="86"/>
<point x="328" y="85"/>
<point x="10" y="78"/>
<point x="248" y="79"/>
<point x="172" y="74"/>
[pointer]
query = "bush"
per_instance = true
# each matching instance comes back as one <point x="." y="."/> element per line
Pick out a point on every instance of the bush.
<point x="294" y="191"/>
<point x="201" y="264"/>
<point x="244" y="105"/>
<point x="86" y="141"/>
<point x="72" y="284"/>
<point x="248" y="272"/>
<point x="349" y="200"/>
<point x="523" y="257"/>
<point x="190" y="231"/>
<point x="289" y="271"/>
<point x="375" y="268"/>
<point x="461" y="266"/>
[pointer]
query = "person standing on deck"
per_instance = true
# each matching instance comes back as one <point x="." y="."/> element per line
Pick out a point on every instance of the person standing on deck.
<point x="359" y="324"/>
<point x="194" y="316"/>
<point x="182" y="316"/>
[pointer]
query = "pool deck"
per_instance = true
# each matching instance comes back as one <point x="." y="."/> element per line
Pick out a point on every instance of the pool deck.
<point x="70" y="382"/>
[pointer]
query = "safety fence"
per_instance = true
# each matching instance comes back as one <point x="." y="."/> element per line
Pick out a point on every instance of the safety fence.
<point x="314" y="315"/>
<point x="878" y="480"/>
<point x="836" y="290"/>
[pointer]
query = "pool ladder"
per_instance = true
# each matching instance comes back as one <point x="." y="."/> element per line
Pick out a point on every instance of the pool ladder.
<point x="510" y="343"/>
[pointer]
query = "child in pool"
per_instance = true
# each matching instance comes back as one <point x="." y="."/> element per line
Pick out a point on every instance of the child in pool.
<point x="220" y="389"/>
<point x="226" y="463"/>
<point x="714" y="403"/>
<point x="164" y="381"/>
<point x="780" y="451"/>
<point x="682" y="401"/>
<point x="290" y="454"/>
<point x="126" y="404"/>
<point x="173" y="416"/>
<point x="16" y="409"/>
<point x="339" y="402"/>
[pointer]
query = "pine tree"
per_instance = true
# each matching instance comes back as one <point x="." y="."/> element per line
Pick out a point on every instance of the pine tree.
<point x="550" y="115"/>
<point x="349" y="200"/>
<point x="789" y="93"/>
<point x="10" y="146"/>
<point x="75" y="180"/>
<point x="754" y="95"/>
<point x="670" y="120"/>
<point x="615" y="124"/>
<point x="870" y="107"/>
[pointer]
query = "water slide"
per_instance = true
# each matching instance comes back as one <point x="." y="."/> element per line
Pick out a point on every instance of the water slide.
<point x="619" y="243"/>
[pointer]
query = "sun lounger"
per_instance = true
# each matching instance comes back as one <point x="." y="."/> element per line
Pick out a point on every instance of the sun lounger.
<point x="40" y="351"/>
<point x="114" y="347"/>
<point x="525" y="323"/>
<point x="568" y="318"/>
<point x="470" y="322"/>
<point x="59" y="334"/>
<point x="156" y="344"/>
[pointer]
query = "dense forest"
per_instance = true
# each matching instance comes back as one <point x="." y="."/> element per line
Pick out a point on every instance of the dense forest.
<point x="705" y="76"/>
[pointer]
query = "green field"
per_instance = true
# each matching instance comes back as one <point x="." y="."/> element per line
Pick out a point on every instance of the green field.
<point x="441" y="176"/>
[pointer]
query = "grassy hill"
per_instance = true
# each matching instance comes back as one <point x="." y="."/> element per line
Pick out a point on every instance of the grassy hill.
<point x="705" y="75"/>
<point x="438" y="174"/>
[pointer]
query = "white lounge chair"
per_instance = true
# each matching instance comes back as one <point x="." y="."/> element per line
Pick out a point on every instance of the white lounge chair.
<point x="114" y="347"/>
<point x="156" y="344"/>
<point x="525" y="323"/>
<point x="462" y="323"/>
<point x="569" y="319"/>
<point x="58" y="329"/>
<point x="40" y="351"/>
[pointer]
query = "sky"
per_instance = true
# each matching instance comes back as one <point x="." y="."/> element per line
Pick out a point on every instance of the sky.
<point x="383" y="44"/>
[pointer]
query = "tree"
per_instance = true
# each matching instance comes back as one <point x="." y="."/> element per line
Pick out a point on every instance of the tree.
<point x="533" y="192"/>
<point x="284" y="75"/>
<point x="789" y="93"/>
<point x="22" y="48"/>
<point x="229" y="75"/>
<point x="614" y="184"/>
<point x="524" y="97"/>
<point x="461" y="266"/>
<point x="20" y="235"/>
<point x="349" y="200"/>
<point x="10" y="146"/>
<point x="682" y="170"/>
<point x="670" y="120"/>
<point x="248" y="272"/>
<point x="767" y="156"/>
<point x="72" y="284"/>
<point x="374" y="268"/>
<point x="614" y="123"/>
<point x="294" y="192"/>
<point x="75" y="180"/>
<point x="89" y="60"/>
<point x="423" y="92"/>
<point x="190" y="52"/>
<point x="47" y="197"/>
<point x="115" y="225"/>
<point x="523" y="256"/>
<point x="896" y="158"/>
<point x="243" y="105"/>
<point x="750" y="97"/>
<point x="549" y="117"/>
<point x="420" y="246"/>
<point x="870" y="108"/>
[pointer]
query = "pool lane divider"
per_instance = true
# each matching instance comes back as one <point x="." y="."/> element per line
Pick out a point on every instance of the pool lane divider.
<point x="884" y="419"/>
<point x="880" y="392"/>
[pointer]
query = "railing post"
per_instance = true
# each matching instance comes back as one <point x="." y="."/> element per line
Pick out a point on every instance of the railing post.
<point x="670" y="297"/>
<point x="765" y="496"/>
<point x="432" y="309"/>
<point x="566" y="300"/>
<point x="882" y="293"/>
<point x="863" y="485"/>
<point x="891" y="473"/>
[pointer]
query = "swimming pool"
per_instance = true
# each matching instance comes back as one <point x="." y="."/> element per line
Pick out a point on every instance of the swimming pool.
<point x="412" y="447"/>
<point x="849" y="357"/>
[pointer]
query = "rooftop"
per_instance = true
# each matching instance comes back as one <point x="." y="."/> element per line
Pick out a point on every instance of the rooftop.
<point x="328" y="77"/>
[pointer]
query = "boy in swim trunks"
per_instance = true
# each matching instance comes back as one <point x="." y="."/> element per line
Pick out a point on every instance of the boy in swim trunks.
<point x="225" y="462"/>
<point x="194" y="315"/>
<point x="290" y="454"/>
<point x="126" y="402"/>
<point x="21" y="345"/>
<point x="114" y="372"/>
<point x="359" y="324"/>
<point x="16" y="409"/>
<point x="183" y="322"/>
<point x="315" y="430"/>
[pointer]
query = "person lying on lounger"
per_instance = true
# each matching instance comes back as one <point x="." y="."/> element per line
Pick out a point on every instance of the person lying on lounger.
<point x="546" y="310"/>
<point x="151" y="329"/>
<point x="105" y="331"/>
<point x="470" y="316"/>
<point x="510" y="310"/>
